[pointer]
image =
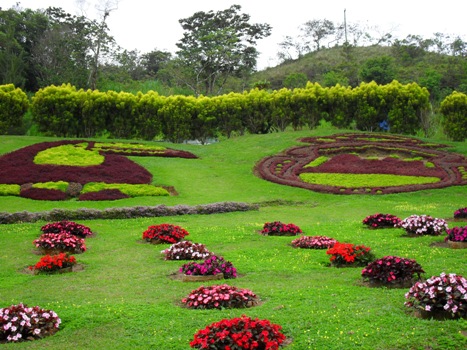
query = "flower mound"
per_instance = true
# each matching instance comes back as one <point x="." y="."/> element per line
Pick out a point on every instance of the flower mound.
<point x="347" y="254"/>
<point x="392" y="270"/>
<point x="456" y="234"/>
<point x="21" y="323"/>
<point x="381" y="221"/>
<point x="219" y="297"/>
<point x="69" y="227"/>
<point x="51" y="263"/>
<point x="460" y="213"/>
<point x="445" y="293"/>
<point x="239" y="333"/>
<point x="186" y="250"/>
<point x="211" y="266"/>
<point x="64" y="242"/>
<point x="278" y="228"/>
<point x="164" y="233"/>
<point x="419" y="225"/>
<point x="314" y="242"/>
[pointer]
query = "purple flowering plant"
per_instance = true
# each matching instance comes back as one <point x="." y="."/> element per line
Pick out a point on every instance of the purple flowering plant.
<point x="456" y="234"/>
<point x="460" y="213"/>
<point x="314" y="242"/>
<point x="379" y="220"/>
<point x="211" y="266"/>
<point x="69" y="227"/>
<point x="392" y="270"/>
<point x="277" y="228"/>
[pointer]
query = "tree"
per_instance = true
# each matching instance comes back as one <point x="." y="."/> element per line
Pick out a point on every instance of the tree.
<point x="380" y="70"/>
<point x="154" y="61"/>
<point x="218" y="45"/>
<point x="318" y="30"/>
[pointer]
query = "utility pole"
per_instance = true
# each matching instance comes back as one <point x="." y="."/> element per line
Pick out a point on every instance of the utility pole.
<point x="345" y="26"/>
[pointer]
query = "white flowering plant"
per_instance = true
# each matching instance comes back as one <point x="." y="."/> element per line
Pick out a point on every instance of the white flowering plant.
<point x="419" y="225"/>
<point x="186" y="250"/>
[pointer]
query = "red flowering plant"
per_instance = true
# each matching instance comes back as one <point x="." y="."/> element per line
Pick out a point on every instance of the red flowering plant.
<point x="164" y="233"/>
<point x="69" y="227"/>
<point x="186" y="250"/>
<point x="314" y="242"/>
<point x="443" y="293"/>
<point x="460" y="213"/>
<point x="419" y="225"/>
<point x="278" y="228"/>
<point x="219" y="297"/>
<point x="379" y="220"/>
<point x="64" y="242"/>
<point x="456" y="234"/>
<point x="347" y="254"/>
<point x="391" y="270"/>
<point x="52" y="263"/>
<point x="239" y="333"/>
<point x="21" y="323"/>
<point x="211" y="266"/>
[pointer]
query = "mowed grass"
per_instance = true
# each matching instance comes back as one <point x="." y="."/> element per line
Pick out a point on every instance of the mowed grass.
<point x="124" y="298"/>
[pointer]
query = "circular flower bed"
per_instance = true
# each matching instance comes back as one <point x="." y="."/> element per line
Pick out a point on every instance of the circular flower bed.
<point x="392" y="270"/>
<point x="164" y="233"/>
<point x="445" y="294"/>
<point x="456" y="234"/>
<point x="52" y="263"/>
<point x="63" y="242"/>
<point x="186" y="250"/>
<point x="347" y="254"/>
<point x="69" y="227"/>
<point x="219" y="297"/>
<point x="278" y="228"/>
<point x="314" y="242"/>
<point x="460" y="213"/>
<point x="381" y="221"/>
<point x="211" y="266"/>
<point x="239" y="333"/>
<point x="418" y="225"/>
<point x="21" y="323"/>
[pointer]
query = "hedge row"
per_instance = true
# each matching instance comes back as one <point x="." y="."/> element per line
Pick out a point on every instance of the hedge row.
<point x="13" y="105"/>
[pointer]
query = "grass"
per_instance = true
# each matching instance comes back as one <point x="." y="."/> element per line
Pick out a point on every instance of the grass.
<point x="124" y="299"/>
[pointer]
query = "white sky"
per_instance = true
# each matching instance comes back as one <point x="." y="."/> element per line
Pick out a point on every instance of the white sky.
<point x="147" y="25"/>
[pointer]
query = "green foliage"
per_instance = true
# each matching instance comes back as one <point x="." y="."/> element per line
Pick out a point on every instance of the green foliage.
<point x="13" y="105"/>
<point x="365" y="180"/>
<point x="317" y="162"/>
<point x="9" y="190"/>
<point x="454" y="110"/>
<point x="380" y="70"/>
<point x="128" y="189"/>
<point x="295" y="80"/>
<point x="76" y="155"/>
<point x="58" y="185"/>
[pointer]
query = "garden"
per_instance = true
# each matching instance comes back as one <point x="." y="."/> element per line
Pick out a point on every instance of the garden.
<point x="229" y="245"/>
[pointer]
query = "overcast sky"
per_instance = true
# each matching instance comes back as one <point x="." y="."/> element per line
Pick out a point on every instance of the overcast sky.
<point x="147" y="25"/>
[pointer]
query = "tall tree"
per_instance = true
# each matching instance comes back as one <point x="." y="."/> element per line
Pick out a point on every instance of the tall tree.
<point x="218" y="45"/>
<point x="317" y="30"/>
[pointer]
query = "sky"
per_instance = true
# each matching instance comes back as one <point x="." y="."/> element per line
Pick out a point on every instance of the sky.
<point x="147" y="25"/>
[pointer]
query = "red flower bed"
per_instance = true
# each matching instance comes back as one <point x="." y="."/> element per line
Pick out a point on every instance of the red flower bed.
<point x="346" y="254"/>
<point x="69" y="227"/>
<point x="277" y="228"/>
<point x="51" y="263"/>
<point x="164" y="233"/>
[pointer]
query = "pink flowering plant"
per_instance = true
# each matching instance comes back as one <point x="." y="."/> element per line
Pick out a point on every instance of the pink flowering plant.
<point x="220" y="297"/>
<point x="64" y="242"/>
<point x="211" y="266"/>
<point x="238" y="334"/>
<point x="186" y="250"/>
<point x="22" y="323"/>
<point x="314" y="242"/>
<point x="392" y="270"/>
<point x="444" y="293"/>
<point x="460" y="213"/>
<point x="69" y="227"/>
<point x="456" y="234"/>
<point x="419" y="225"/>
<point x="164" y="233"/>
<point x="379" y="220"/>
<point x="278" y="228"/>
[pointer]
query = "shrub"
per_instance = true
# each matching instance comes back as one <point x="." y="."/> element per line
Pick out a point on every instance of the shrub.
<point x="186" y="250"/>
<point x="13" y="105"/>
<point x="347" y="254"/>
<point x="314" y="242"/>
<point x="164" y="233"/>
<point x="211" y="266"/>
<point x="457" y="234"/>
<point x="21" y="323"/>
<point x="460" y="213"/>
<point x="68" y="227"/>
<point x="44" y="194"/>
<point x="104" y="195"/>
<point x="130" y="190"/>
<point x="381" y="221"/>
<point x="219" y="297"/>
<point x="51" y="263"/>
<point x="73" y="189"/>
<point x="423" y="225"/>
<point x="10" y="190"/>
<point x="63" y="241"/>
<point x="278" y="228"/>
<point x="392" y="270"/>
<point x="445" y="293"/>
<point x="239" y="333"/>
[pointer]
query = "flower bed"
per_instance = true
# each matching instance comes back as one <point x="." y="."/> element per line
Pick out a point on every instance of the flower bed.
<point x="419" y="225"/>
<point x="186" y="250"/>
<point x="69" y="227"/>
<point x="60" y="242"/>
<point x="220" y="297"/>
<point x="460" y="213"/>
<point x="53" y="263"/>
<point x="456" y="234"/>
<point x="22" y="323"/>
<point x="445" y="294"/>
<point x="392" y="270"/>
<point x="347" y="254"/>
<point x="214" y="265"/>
<point x="239" y="333"/>
<point x="314" y="242"/>
<point x="379" y="220"/>
<point x="278" y="228"/>
<point x="164" y="233"/>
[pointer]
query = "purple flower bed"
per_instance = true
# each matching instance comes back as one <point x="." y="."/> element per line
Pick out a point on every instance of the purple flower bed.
<point x="103" y="195"/>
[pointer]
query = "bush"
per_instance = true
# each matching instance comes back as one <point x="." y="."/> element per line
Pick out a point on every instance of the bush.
<point x="419" y="225"/>
<point x="68" y="227"/>
<point x="457" y="234"/>
<point x="44" y="194"/>
<point x="219" y="297"/>
<point x="21" y="323"/>
<point x="104" y="195"/>
<point x="211" y="266"/>
<point x="278" y="228"/>
<point x="347" y="254"/>
<point x="164" y="233"/>
<point x="460" y="213"/>
<point x="239" y="333"/>
<point x="63" y="241"/>
<point x="186" y="250"/>
<point x="52" y="263"/>
<point x="381" y="221"/>
<point x="392" y="270"/>
<point x="314" y="242"/>
<point x="13" y="105"/>
<point x="454" y="110"/>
